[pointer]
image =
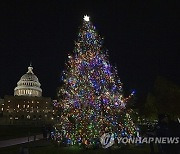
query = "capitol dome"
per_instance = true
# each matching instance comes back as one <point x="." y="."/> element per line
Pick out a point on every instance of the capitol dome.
<point x="28" y="85"/>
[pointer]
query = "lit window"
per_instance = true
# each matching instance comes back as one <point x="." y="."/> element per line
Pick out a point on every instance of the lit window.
<point x="28" y="117"/>
<point x="18" y="105"/>
<point x="2" y="109"/>
<point x="28" y="106"/>
<point x="24" y="106"/>
<point x="16" y="118"/>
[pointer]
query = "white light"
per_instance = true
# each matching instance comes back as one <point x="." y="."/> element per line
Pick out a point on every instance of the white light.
<point x="86" y="18"/>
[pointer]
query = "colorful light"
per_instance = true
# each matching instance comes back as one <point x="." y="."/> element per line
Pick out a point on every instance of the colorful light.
<point x="91" y="96"/>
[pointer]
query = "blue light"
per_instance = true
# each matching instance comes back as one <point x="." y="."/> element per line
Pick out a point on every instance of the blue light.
<point x="133" y="92"/>
<point x="68" y="141"/>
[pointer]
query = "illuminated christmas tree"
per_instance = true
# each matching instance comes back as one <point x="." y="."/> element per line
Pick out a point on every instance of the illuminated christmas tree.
<point x="92" y="101"/>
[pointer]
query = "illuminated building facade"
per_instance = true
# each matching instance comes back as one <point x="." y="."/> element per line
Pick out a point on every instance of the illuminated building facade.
<point x="27" y="106"/>
<point x="27" y="110"/>
<point x="28" y="85"/>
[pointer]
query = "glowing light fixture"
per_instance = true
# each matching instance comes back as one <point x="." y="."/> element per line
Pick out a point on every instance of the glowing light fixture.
<point x="86" y="18"/>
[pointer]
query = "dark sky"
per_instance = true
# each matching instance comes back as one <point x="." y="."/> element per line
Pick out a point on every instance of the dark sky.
<point x="142" y="38"/>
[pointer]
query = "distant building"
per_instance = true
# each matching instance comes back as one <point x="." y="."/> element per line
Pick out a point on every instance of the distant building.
<point x="27" y="106"/>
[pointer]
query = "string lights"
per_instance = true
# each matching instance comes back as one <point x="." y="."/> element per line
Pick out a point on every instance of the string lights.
<point x="92" y="100"/>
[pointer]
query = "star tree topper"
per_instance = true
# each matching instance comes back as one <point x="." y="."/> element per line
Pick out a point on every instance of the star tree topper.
<point x="86" y="18"/>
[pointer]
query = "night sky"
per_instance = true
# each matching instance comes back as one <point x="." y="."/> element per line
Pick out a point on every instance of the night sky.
<point x="142" y="38"/>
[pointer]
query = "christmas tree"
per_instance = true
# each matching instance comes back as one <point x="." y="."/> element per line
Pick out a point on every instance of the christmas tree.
<point x="92" y="99"/>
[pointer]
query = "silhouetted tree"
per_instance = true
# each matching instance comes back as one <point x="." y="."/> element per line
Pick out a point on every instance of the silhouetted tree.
<point x="164" y="99"/>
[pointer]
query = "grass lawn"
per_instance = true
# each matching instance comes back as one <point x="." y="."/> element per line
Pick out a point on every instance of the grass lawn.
<point x="45" y="147"/>
<point x="10" y="132"/>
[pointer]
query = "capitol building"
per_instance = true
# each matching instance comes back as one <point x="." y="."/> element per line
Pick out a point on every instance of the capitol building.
<point x="27" y="106"/>
<point x="28" y="85"/>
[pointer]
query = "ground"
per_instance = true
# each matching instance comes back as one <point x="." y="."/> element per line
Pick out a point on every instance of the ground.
<point x="46" y="147"/>
<point x="10" y="132"/>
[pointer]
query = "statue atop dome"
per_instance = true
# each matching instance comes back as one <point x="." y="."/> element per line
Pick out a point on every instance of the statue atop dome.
<point x="30" y="69"/>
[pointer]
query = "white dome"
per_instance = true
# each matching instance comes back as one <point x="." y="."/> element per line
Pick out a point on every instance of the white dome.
<point x="28" y="85"/>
